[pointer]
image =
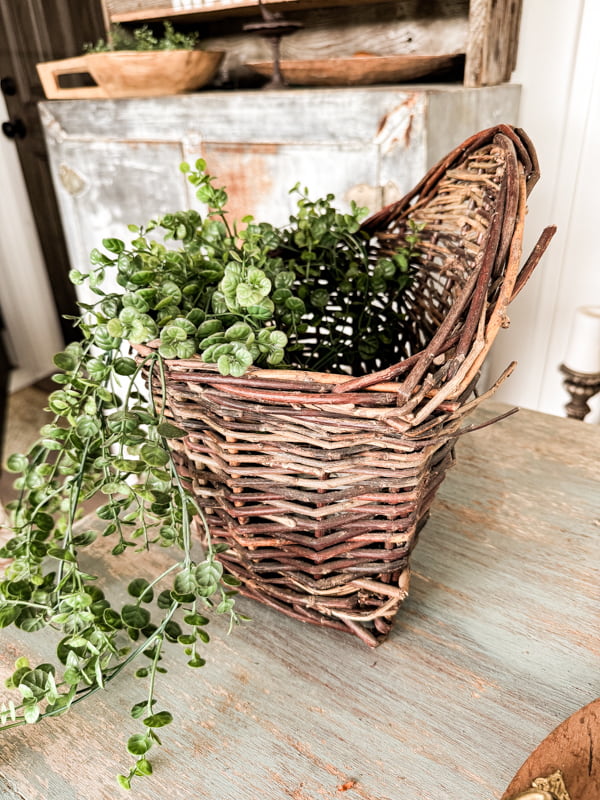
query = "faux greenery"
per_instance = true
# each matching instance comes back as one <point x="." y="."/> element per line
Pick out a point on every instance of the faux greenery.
<point x="304" y="295"/>
<point x="142" y="39"/>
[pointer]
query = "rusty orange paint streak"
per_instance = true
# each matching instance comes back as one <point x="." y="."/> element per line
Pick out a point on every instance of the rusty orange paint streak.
<point x="244" y="171"/>
<point x="343" y="787"/>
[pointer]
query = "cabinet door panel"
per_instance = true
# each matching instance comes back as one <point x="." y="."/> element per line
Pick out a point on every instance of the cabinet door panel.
<point x="259" y="177"/>
<point x="105" y="186"/>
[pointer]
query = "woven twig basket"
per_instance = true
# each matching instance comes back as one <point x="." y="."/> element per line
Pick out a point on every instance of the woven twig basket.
<point x="320" y="483"/>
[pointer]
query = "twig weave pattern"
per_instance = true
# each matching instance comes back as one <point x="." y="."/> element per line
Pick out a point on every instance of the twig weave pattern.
<point x="320" y="483"/>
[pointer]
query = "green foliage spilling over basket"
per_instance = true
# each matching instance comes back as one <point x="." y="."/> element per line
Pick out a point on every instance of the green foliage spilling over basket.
<point x="304" y="390"/>
<point x="317" y="483"/>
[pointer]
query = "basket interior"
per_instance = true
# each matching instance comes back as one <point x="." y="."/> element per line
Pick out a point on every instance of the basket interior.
<point x="454" y="222"/>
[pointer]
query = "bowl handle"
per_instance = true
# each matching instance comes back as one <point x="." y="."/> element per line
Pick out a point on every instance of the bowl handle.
<point x="50" y="72"/>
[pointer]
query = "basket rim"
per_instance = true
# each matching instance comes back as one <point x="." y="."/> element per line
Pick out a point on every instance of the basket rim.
<point x="469" y="343"/>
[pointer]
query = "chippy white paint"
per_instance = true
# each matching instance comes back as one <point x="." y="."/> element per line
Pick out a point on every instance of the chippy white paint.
<point x="116" y="162"/>
<point x="395" y="130"/>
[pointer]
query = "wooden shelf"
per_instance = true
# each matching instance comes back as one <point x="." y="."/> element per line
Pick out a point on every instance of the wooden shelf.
<point x="226" y="9"/>
<point x="490" y="37"/>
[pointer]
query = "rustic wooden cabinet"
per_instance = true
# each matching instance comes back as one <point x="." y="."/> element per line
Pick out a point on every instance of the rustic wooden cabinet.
<point x="115" y="162"/>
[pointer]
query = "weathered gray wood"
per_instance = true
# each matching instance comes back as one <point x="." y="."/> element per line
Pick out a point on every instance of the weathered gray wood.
<point x="116" y="6"/>
<point x="497" y="644"/>
<point x="140" y="11"/>
<point x="301" y="116"/>
<point x="116" y="162"/>
<point x="492" y="41"/>
<point x="380" y="29"/>
<point x="486" y="30"/>
<point x="7" y="792"/>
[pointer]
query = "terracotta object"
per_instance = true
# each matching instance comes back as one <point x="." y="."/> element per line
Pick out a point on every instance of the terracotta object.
<point x="573" y="748"/>
<point x="359" y="70"/>
<point x="127" y="73"/>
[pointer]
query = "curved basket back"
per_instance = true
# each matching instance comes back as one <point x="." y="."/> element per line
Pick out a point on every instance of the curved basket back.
<point x="470" y="208"/>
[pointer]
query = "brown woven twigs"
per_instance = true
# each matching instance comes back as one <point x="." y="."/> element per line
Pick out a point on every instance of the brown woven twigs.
<point x="320" y="483"/>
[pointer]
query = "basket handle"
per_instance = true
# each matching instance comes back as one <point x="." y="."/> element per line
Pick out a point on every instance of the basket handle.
<point x="50" y="72"/>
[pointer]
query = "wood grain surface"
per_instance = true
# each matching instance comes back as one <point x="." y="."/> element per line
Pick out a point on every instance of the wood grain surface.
<point x="127" y="73"/>
<point x="497" y="644"/>
<point x="492" y="42"/>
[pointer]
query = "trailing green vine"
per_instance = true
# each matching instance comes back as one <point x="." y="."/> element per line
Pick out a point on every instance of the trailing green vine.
<point x="305" y="295"/>
<point x="102" y="446"/>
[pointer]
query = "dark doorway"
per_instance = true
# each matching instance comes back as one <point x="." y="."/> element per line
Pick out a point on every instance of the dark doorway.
<point x="32" y="31"/>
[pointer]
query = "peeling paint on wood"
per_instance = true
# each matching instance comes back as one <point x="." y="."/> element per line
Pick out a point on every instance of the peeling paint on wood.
<point x="71" y="180"/>
<point x="396" y="126"/>
<point x="126" y="153"/>
<point x="496" y="645"/>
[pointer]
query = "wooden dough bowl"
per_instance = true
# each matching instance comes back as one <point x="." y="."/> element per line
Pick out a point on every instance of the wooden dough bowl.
<point x="127" y="73"/>
<point x="358" y="70"/>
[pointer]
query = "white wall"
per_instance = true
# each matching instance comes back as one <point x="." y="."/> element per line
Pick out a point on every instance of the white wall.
<point x="33" y="329"/>
<point x="559" y="70"/>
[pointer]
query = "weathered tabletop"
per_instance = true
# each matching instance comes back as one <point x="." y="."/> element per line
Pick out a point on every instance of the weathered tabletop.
<point x="497" y="644"/>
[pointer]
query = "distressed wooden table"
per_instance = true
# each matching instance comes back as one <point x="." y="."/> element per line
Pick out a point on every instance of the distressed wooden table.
<point x="497" y="644"/>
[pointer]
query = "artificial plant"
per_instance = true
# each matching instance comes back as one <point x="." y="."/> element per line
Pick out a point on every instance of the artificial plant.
<point x="305" y="295"/>
<point x="143" y="39"/>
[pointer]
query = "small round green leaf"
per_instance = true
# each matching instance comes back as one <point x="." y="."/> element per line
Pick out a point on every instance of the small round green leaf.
<point x="231" y="580"/>
<point x="76" y="277"/>
<point x="17" y="463"/>
<point x="135" y="617"/>
<point x="125" y="366"/>
<point x="31" y="712"/>
<point x="64" y="361"/>
<point x="139" y="709"/>
<point x="124" y="781"/>
<point x="208" y="574"/>
<point x="158" y="720"/>
<point x="87" y="427"/>
<point x="154" y="455"/>
<point x="113" y="245"/>
<point x="143" y="767"/>
<point x="195" y="619"/>
<point x="170" y="431"/>
<point x="140" y="588"/>
<point x="8" y="614"/>
<point x="115" y="327"/>
<point x="138" y="744"/>
<point x="185" y="583"/>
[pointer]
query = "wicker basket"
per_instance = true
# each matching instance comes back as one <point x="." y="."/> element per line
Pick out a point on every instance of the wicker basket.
<point x="320" y="483"/>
